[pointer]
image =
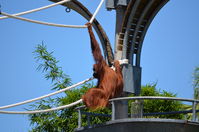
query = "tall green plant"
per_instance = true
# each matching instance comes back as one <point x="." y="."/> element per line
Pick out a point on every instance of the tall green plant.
<point x="66" y="120"/>
<point x="49" y="65"/>
<point x="196" y="83"/>
<point x="51" y="121"/>
<point x="196" y="87"/>
<point x="62" y="120"/>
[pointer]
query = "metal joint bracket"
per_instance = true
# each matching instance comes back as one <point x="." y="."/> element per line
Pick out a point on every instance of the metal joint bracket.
<point x="132" y="79"/>
<point x="67" y="10"/>
<point x="113" y="4"/>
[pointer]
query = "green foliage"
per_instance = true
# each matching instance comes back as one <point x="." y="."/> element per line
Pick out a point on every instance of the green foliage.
<point x="196" y="83"/>
<point x="62" y="120"/>
<point x="49" y="65"/>
<point x="66" y="120"/>
<point x="153" y="106"/>
<point x="55" y="121"/>
<point x="196" y="86"/>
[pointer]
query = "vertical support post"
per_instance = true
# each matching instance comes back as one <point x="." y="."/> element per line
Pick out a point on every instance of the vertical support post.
<point x="121" y="107"/>
<point x="120" y="11"/>
<point x="137" y="109"/>
<point x="194" y="111"/>
<point x="113" y="111"/>
<point x="79" y="118"/>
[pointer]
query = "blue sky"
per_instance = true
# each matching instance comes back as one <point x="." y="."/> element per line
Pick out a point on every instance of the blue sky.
<point x="169" y="53"/>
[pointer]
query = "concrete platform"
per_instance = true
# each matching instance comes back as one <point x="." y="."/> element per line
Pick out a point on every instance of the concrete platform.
<point x="144" y="125"/>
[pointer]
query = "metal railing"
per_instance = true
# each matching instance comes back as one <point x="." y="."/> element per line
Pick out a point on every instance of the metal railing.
<point x="193" y="101"/>
<point x="141" y="98"/>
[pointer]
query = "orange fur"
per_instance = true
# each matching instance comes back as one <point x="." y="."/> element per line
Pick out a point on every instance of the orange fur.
<point x="110" y="82"/>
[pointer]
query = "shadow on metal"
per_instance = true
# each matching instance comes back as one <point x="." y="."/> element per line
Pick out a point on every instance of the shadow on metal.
<point x="144" y="125"/>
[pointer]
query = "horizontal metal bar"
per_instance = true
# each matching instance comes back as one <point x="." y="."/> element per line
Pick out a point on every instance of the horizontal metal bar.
<point x="145" y="114"/>
<point x="80" y="107"/>
<point x="154" y="97"/>
<point x="169" y="113"/>
<point x="95" y="114"/>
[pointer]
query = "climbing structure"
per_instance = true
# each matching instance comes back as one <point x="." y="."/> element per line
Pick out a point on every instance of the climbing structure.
<point x="75" y="5"/>
<point x="82" y="10"/>
<point x="134" y="19"/>
<point x="137" y="18"/>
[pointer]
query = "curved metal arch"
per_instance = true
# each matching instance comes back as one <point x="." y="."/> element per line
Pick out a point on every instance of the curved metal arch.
<point x="82" y="10"/>
<point x="129" y="15"/>
<point x="150" y="19"/>
<point x="140" y="13"/>
<point x="138" y="16"/>
<point x="140" y="21"/>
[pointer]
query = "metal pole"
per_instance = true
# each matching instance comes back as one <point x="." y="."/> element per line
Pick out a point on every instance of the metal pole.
<point x="194" y="111"/>
<point x="113" y="111"/>
<point x="79" y="118"/>
<point x="120" y="11"/>
<point x="121" y="107"/>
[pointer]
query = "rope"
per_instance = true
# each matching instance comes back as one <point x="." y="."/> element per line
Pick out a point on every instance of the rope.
<point x="44" y="23"/>
<point x="96" y="11"/>
<point x="123" y="61"/>
<point x="6" y="15"/>
<point x="42" y="111"/>
<point x="41" y="97"/>
<point x="37" y="9"/>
